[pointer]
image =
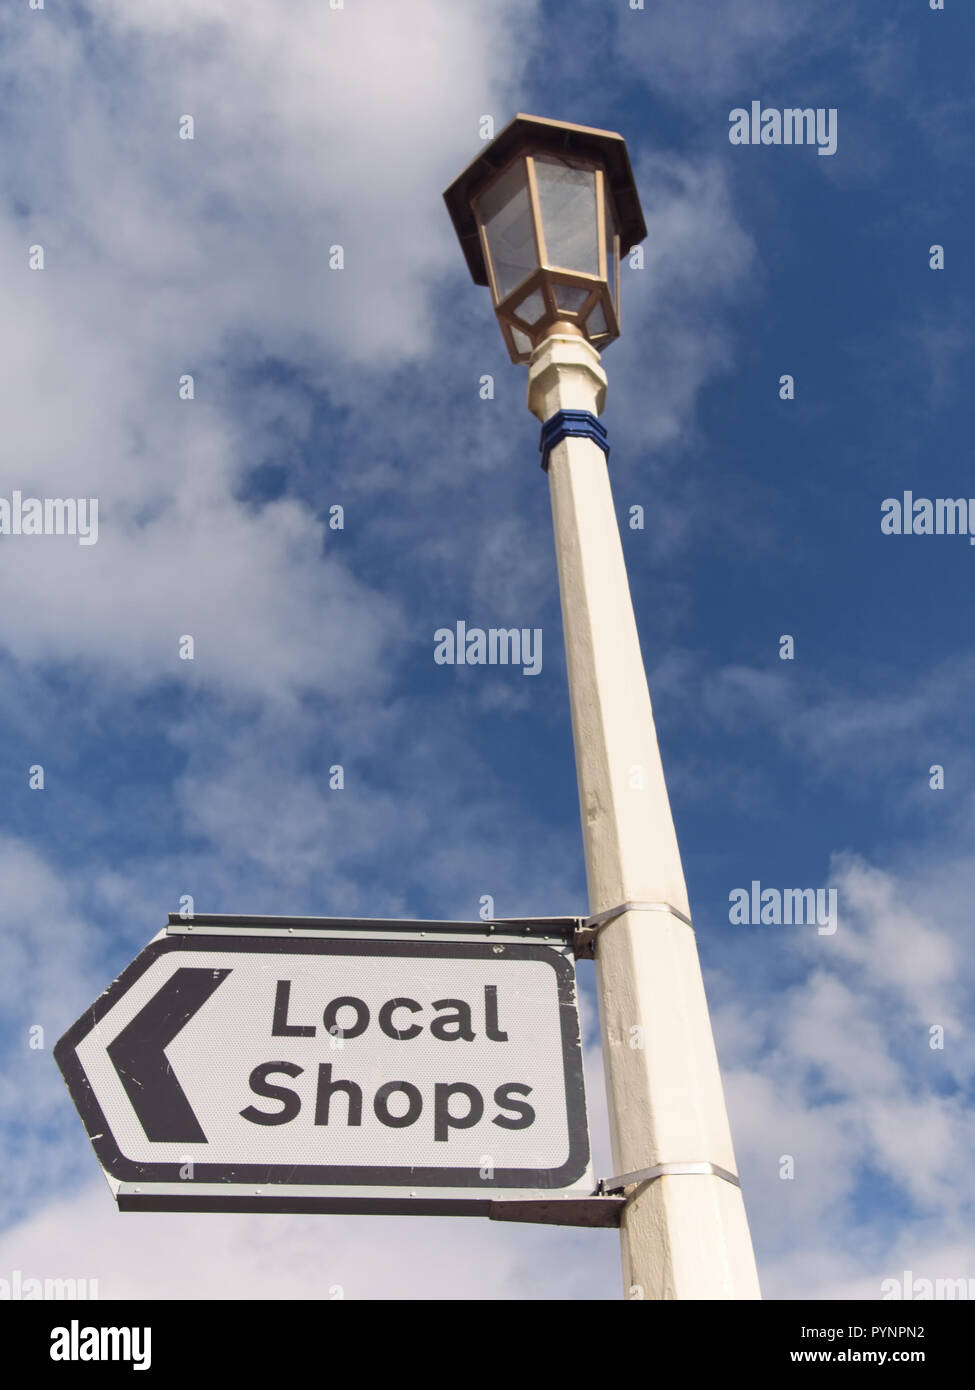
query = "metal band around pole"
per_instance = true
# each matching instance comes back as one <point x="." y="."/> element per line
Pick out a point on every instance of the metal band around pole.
<point x="590" y="927"/>
<point x="666" y="1170"/>
<point x="611" y="913"/>
<point x="566" y="423"/>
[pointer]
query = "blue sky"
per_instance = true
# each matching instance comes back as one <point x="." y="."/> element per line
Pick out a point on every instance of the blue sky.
<point x="359" y="387"/>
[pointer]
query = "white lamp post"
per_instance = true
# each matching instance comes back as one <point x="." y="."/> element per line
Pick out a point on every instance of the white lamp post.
<point x="543" y="216"/>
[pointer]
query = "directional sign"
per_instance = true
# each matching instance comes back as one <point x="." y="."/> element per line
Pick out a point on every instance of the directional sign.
<point x="303" y="1064"/>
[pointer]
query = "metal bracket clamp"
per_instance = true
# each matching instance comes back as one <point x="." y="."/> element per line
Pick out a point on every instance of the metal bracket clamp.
<point x="584" y="940"/>
<point x="665" y="1170"/>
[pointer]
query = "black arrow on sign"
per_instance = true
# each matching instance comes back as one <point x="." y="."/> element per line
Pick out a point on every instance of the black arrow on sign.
<point x="139" y="1056"/>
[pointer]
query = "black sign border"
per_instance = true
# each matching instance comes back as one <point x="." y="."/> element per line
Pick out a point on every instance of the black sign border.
<point x="284" y="1174"/>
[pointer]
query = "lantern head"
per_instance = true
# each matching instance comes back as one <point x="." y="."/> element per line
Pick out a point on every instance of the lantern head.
<point x="543" y="216"/>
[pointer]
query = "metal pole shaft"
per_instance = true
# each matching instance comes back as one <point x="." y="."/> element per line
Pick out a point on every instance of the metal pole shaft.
<point x="683" y="1235"/>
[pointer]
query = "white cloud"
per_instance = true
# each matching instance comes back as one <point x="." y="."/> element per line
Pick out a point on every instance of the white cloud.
<point x="698" y="261"/>
<point x="166" y="256"/>
<point x="837" y="1072"/>
<point x="291" y="1257"/>
<point x="49" y="955"/>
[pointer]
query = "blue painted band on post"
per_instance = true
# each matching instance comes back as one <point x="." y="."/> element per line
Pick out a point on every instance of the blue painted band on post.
<point x="571" y="422"/>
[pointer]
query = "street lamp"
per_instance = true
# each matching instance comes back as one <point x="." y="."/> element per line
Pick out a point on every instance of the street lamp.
<point x="543" y="216"/>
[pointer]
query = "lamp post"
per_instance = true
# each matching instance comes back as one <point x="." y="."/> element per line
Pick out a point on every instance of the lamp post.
<point x="543" y="216"/>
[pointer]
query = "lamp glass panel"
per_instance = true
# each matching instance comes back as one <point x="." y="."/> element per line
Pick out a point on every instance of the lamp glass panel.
<point x="596" y="323"/>
<point x="505" y="209"/>
<point x="570" y="297"/>
<point x="532" y="307"/>
<point x="522" y="341"/>
<point x="567" y="198"/>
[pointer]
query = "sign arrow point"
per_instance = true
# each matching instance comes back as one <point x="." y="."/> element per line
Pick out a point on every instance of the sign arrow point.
<point x="138" y="1055"/>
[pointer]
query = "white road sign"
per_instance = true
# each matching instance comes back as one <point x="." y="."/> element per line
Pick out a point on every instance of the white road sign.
<point x="325" y="1068"/>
